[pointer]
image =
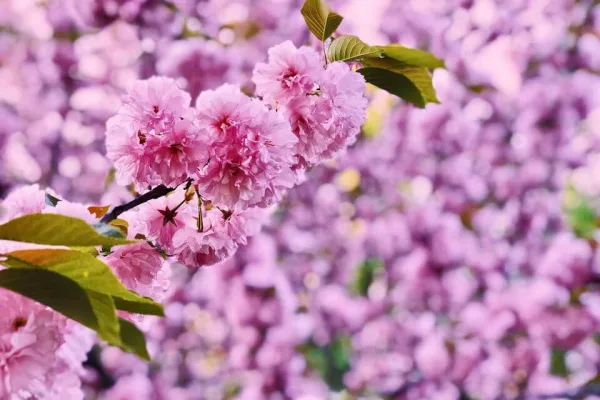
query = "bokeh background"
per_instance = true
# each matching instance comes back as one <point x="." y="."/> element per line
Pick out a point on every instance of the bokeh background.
<point x="451" y="254"/>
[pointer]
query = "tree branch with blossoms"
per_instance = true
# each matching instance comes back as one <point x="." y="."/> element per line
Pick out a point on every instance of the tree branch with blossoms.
<point x="67" y="273"/>
<point x="155" y="193"/>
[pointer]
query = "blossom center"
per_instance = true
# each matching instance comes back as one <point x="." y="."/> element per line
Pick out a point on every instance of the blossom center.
<point x="141" y="137"/>
<point x="175" y="148"/>
<point x="289" y="75"/>
<point x="225" y="123"/>
<point x="18" y="323"/>
<point x="168" y="216"/>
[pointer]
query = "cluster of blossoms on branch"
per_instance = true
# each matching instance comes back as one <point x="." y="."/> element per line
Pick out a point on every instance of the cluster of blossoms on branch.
<point x="434" y="261"/>
<point x="218" y="165"/>
<point x="230" y="156"/>
<point x="449" y="272"/>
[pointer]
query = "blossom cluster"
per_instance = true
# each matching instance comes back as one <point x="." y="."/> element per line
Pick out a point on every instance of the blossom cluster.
<point x="477" y="285"/>
<point x="226" y="158"/>
<point x="434" y="261"/>
<point x="230" y="156"/>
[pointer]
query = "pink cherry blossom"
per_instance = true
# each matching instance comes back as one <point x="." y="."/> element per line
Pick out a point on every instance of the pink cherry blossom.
<point x="290" y="73"/>
<point x="342" y="105"/>
<point x="74" y="210"/>
<point x="152" y="140"/>
<point x="156" y="103"/>
<point x="159" y="219"/>
<point x="212" y="244"/>
<point x="24" y="200"/>
<point x="432" y="357"/>
<point x="30" y="338"/>
<point x="250" y="150"/>
<point x="140" y="268"/>
<point x="180" y="153"/>
<point x="135" y="386"/>
<point x="126" y="148"/>
<point x="222" y="233"/>
<point x="313" y="139"/>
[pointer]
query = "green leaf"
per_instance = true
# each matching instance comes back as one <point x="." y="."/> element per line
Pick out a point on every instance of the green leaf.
<point x="350" y="48"/>
<point x="315" y="357"/>
<point x="55" y="230"/>
<point x="582" y="219"/>
<point x="341" y="352"/>
<point x="51" y="200"/>
<point x="319" y="19"/>
<point x="332" y="22"/>
<point x="419" y="76"/>
<point x="109" y="230"/>
<point x="414" y="57"/>
<point x="394" y="83"/>
<point x="331" y="361"/>
<point x="87" y="271"/>
<point x="121" y="225"/>
<point x="558" y="363"/>
<point x="364" y="276"/>
<point x="106" y="315"/>
<point x="94" y="310"/>
<point x="133" y="340"/>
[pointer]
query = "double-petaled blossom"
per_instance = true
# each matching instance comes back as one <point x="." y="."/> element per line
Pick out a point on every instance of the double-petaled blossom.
<point x="217" y="236"/>
<point x="290" y="73"/>
<point x="325" y="105"/>
<point x="153" y="139"/>
<point x="341" y="106"/>
<point x="23" y="200"/>
<point x="251" y="150"/>
<point x="141" y="268"/>
<point x="158" y="220"/>
<point x="31" y="359"/>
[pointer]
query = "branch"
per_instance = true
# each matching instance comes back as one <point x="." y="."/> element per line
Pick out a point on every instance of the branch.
<point x="155" y="193"/>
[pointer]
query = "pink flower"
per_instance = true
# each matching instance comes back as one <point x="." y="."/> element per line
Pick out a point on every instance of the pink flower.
<point x="290" y="73"/>
<point x="329" y="120"/>
<point x="180" y="153"/>
<point x="24" y="200"/>
<point x="313" y="139"/>
<point x="140" y="268"/>
<point x="432" y="357"/>
<point x="126" y="148"/>
<point x="156" y="103"/>
<point x="208" y="247"/>
<point x="342" y="106"/>
<point x="243" y="224"/>
<point x="203" y="64"/>
<point x="30" y="337"/>
<point x="135" y="386"/>
<point x="152" y="139"/>
<point x="567" y="261"/>
<point x="251" y="150"/>
<point x="159" y="219"/>
<point x="222" y="233"/>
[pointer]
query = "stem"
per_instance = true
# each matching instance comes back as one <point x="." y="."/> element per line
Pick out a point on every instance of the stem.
<point x="200" y="220"/>
<point x="157" y="192"/>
